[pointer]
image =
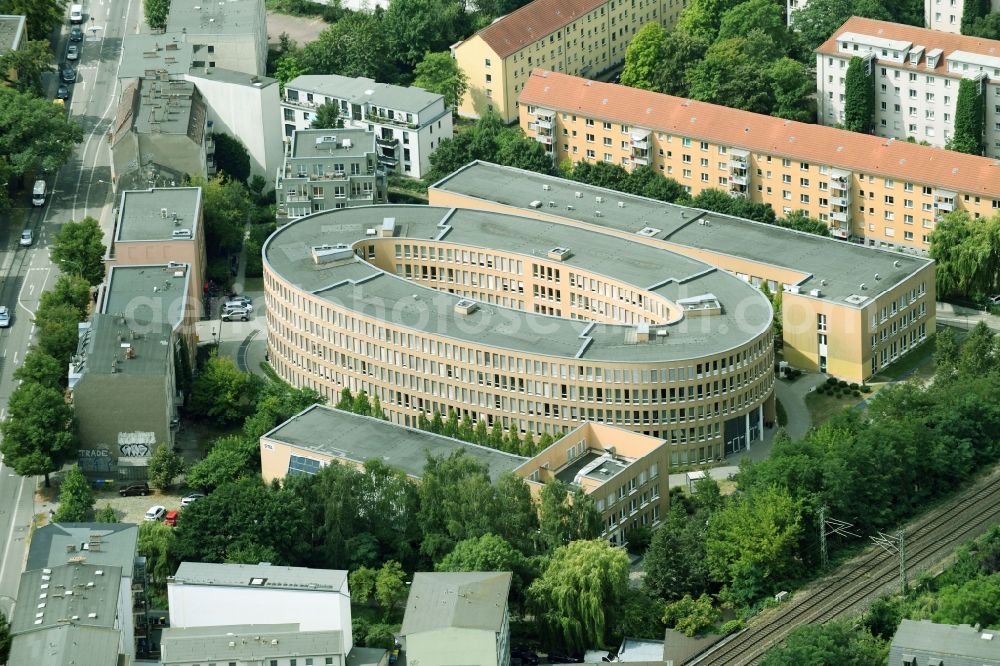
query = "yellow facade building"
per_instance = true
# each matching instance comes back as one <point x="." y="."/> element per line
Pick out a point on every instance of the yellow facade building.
<point x="878" y="191"/>
<point x="847" y="310"/>
<point x="580" y="37"/>
<point x="538" y="325"/>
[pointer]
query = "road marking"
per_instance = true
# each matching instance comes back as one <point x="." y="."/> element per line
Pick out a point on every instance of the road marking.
<point x="21" y="293"/>
<point x="10" y="536"/>
<point x="15" y="357"/>
<point x="97" y="125"/>
<point x="31" y="290"/>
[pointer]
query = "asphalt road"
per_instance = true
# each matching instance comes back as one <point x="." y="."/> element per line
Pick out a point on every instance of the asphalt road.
<point x="82" y="187"/>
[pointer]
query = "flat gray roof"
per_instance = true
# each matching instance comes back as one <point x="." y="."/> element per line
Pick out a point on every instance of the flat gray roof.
<point x="93" y="602"/>
<point x="468" y="600"/>
<point x="11" y="33"/>
<point x="963" y="642"/>
<point x="254" y="643"/>
<point x="365" y="91"/>
<point x="262" y="576"/>
<point x="609" y="466"/>
<point x="309" y="143"/>
<point x="144" y="55"/>
<point x="837" y="268"/>
<point x="67" y="645"/>
<point x="115" y="545"/>
<point x="365" y="656"/>
<point x="141" y="214"/>
<point x="232" y="76"/>
<point x="209" y="17"/>
<point x="170" y="107"/>
<point x="360" y="287"/>
<point x="110" y="344"/>
<point x="147" y="295"/>
<point x="348" y="436"/>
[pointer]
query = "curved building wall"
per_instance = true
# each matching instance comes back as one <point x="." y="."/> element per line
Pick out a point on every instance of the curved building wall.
<point x="553" y="343"/>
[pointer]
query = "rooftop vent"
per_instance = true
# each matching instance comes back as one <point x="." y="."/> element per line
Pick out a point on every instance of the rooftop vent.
<point x="181" y="233"/>
<point x="621" y="204"/>
<point x="546" y="187"/>
<point x="330" y="141"/>
<point x="535" y="204"/>
<point x="855" y="299"/>
<point x="560" y="253"/>
<point x="163" y="213"/>
<point x="466" y="306"/>
<point x="648" y="232"/>
<point x="324" y="254"/>
<point x="578" y="195"/>
<point x="371" y="231"/>
<point x="896" y="263"/>
<point x="346" y="143"/>
<point x="599" y="199"/>
<point x="388" y="227"/>
<point x="598" y="213"/>
<point x="815" y="293"/>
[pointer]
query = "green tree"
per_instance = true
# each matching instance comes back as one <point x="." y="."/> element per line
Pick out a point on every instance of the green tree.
<point x="289" y="66"/>
<point x="390" y="587"/>
<point x="641" y="616"/>
<point x="243" y="514"/>
<point x="644" y="58"/>
<point x="691" y="616"/>
<point x="157" y="543"/>
<point x="575" y="598"/>
<point x="361" y="405"/>
<point x="39" y="433"/>
<point x="734" y="72"/>
<point x="761" y="15"/>
<point x="275" y="403"/>
<point x="973" y="11"/>
<point x="71" y="290"/>
<point x="22" y="68"/>
<point x="751" y="544"/>
<point x="414" y="27"/>
<point x="800" y="221"/>
<point x="967" y="253"/>
<point x="5" y="639"/>
<point x="165" y="466"/>
<point x="356" y="45"/>
<point x="227" y="206"/>
<point x="675" y="560"/>
<point x="682" y="52"/>
<point x="834" y="642"/>
<point x="57" y="330"/>
<point x="564" y="518"/>
<point x="490" y="553"/>
<point x="156" y="12"/>
<point x="362" y="583"/>
<point x="439" y="73"/>
<point x="346" y="400"/>
<point x="481" y="435"/>
<point x="78" y="249"/>
<point x="859" y="96"/>
<point x="987" y="27"/>
<point x="41" y="368"/>
<point x="703" y="17"/>
<point x="222" y="392"/>
<point x="516" y="150"/>
<point x="231" y="158"/>
<point x="327" y="117"/>
<point x="794" y="90"/>
<point x="970" y="118"/>
<point x="35" y="134"/>
<point x="76" y="499"/>
<point x="106" y="515"/>
<point x="41" y="16"/>
<point x="230" y="458"/>
<point x="947" y="352"/>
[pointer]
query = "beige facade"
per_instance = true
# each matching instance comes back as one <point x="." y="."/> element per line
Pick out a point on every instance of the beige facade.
<point x="883" y="193"/>
<point x="846" y="310"/>
<point x="580" y="37"/>
<point x="623" y="472"/>
<point x="486" y="325"/>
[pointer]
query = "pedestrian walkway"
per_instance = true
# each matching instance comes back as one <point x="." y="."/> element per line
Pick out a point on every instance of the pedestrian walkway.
<point x="963" y="317"/>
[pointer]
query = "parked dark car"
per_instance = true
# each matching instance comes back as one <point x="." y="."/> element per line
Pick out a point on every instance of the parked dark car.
<point x="68" y="74"/>
<point x="62" y="92"/>
<point x="560" y="658"/>
<point x="76" y="35"/>
<point x="136" y="489"/>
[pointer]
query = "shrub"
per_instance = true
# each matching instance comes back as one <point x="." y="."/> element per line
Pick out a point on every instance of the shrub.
<point x="856" y="393"/>
<point x="731" y="627"/>
<point x="854" y="386"/>
<point x="842" y="384"/>
<point x="865" y="388"/>
<point x="832" y="381"/>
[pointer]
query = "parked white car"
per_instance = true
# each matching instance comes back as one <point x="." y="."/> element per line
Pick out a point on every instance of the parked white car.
<point x="4" y="316"/>
<point x="155" y="513"/>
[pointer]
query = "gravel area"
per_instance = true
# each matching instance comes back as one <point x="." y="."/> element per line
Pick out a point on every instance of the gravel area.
<point x="302" y="29"/>
<point x="132" y="509"/>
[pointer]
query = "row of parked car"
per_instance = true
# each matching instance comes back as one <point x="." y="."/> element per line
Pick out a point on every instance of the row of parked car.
<point x="158" y="511"/>
<point x="237" y="308"/>
<point x="67" y="74"/>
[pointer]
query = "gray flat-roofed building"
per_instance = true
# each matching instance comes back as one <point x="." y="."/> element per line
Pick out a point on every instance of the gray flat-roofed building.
<point x="156" y="214"/>
<point x="319" y="434"/>
<point x="12" y="34"/>
<point x="65" y="603"/>
<point x="458" y="618"/>
<point x="259" y="575"/>
<point x="123" y="388"/>
<point x="159" y="134"/>
<point x="233" y="34"/>
<point x="925" y="643"/>
<point x="99" y="544"/>
<point x="250" y="644"/>
<point x="409" y="122"/>
<point x="150" y="56"/>
<point x="327" y="169"/>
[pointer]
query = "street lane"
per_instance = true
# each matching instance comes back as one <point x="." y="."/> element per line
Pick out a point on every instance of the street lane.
<point x="82" y="187"/>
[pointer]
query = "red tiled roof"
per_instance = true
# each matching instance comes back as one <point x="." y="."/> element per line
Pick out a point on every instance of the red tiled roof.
<point x="511" y="33"/>
<point x="815" y="144"/>
<point x="929" y="39"/>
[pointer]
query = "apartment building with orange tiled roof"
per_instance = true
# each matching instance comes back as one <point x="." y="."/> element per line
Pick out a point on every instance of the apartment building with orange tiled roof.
<point x="580" y="37"/>
<point x="882" y="192"/>
<point x="916" y="77"/>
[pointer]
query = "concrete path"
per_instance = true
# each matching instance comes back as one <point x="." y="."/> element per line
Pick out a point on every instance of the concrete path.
<point x="962" y="317"/>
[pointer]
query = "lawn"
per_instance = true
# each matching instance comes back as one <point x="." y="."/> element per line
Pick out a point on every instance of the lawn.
<point x="822" y="407"/>
<point x="918" y="363"/>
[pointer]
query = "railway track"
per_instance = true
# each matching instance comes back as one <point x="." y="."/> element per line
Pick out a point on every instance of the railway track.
<point x="857" y="582"/>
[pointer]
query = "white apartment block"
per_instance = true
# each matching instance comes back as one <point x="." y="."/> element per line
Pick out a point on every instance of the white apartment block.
<point x="225" y="35"/>
<point x="409" y="123"/>
<point x="917" y="74"/>
<point x="946" y="15"/>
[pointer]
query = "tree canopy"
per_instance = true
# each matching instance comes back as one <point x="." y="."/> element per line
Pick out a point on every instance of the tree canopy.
<point x="222" y="392"/>
<point x="76" y="499"/>
<point x="829" y="643"/>
<point x="439" y="73"/>
<point x="231" y="158"/>
<point x="22" y="68"/>
<point x="39" y="432"/>
<point x="78" y="249"/>
<point x="327" y="117"/>
<point x="967" y="253"/>
<point x="156" y="12"/>
<point x="41" y="16"/>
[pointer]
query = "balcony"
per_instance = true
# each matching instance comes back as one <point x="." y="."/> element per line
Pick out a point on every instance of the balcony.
<point x="839" y="201"/>
<point x="545" y="114"/>
<point x="839" y="216"/>
<point x="386" y="143"/>
<point x="738" y="178"/>
<point x="641" y="160"/>
<point x="544" y="138"/>
<point x="739" y="194"/>
<point x="544" y="123"/>
<point x="209" y="145"/>
<point x="838" y="232"/>
<point x="388" y="160"/>
<point x="300" y="175"/>
<point x="737" y="163"/>
<point x="944" y="204"/>
<point x="297" y="198"/>
<point x="396" y="122"/>
<point x="361" y="196"/>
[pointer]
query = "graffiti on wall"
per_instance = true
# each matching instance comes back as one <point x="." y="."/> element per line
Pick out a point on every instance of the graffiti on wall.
<point x="137" y="444"/>
<point x="95" y="460"/>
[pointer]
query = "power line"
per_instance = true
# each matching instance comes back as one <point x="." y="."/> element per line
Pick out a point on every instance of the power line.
<point x="895" y="544"/>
